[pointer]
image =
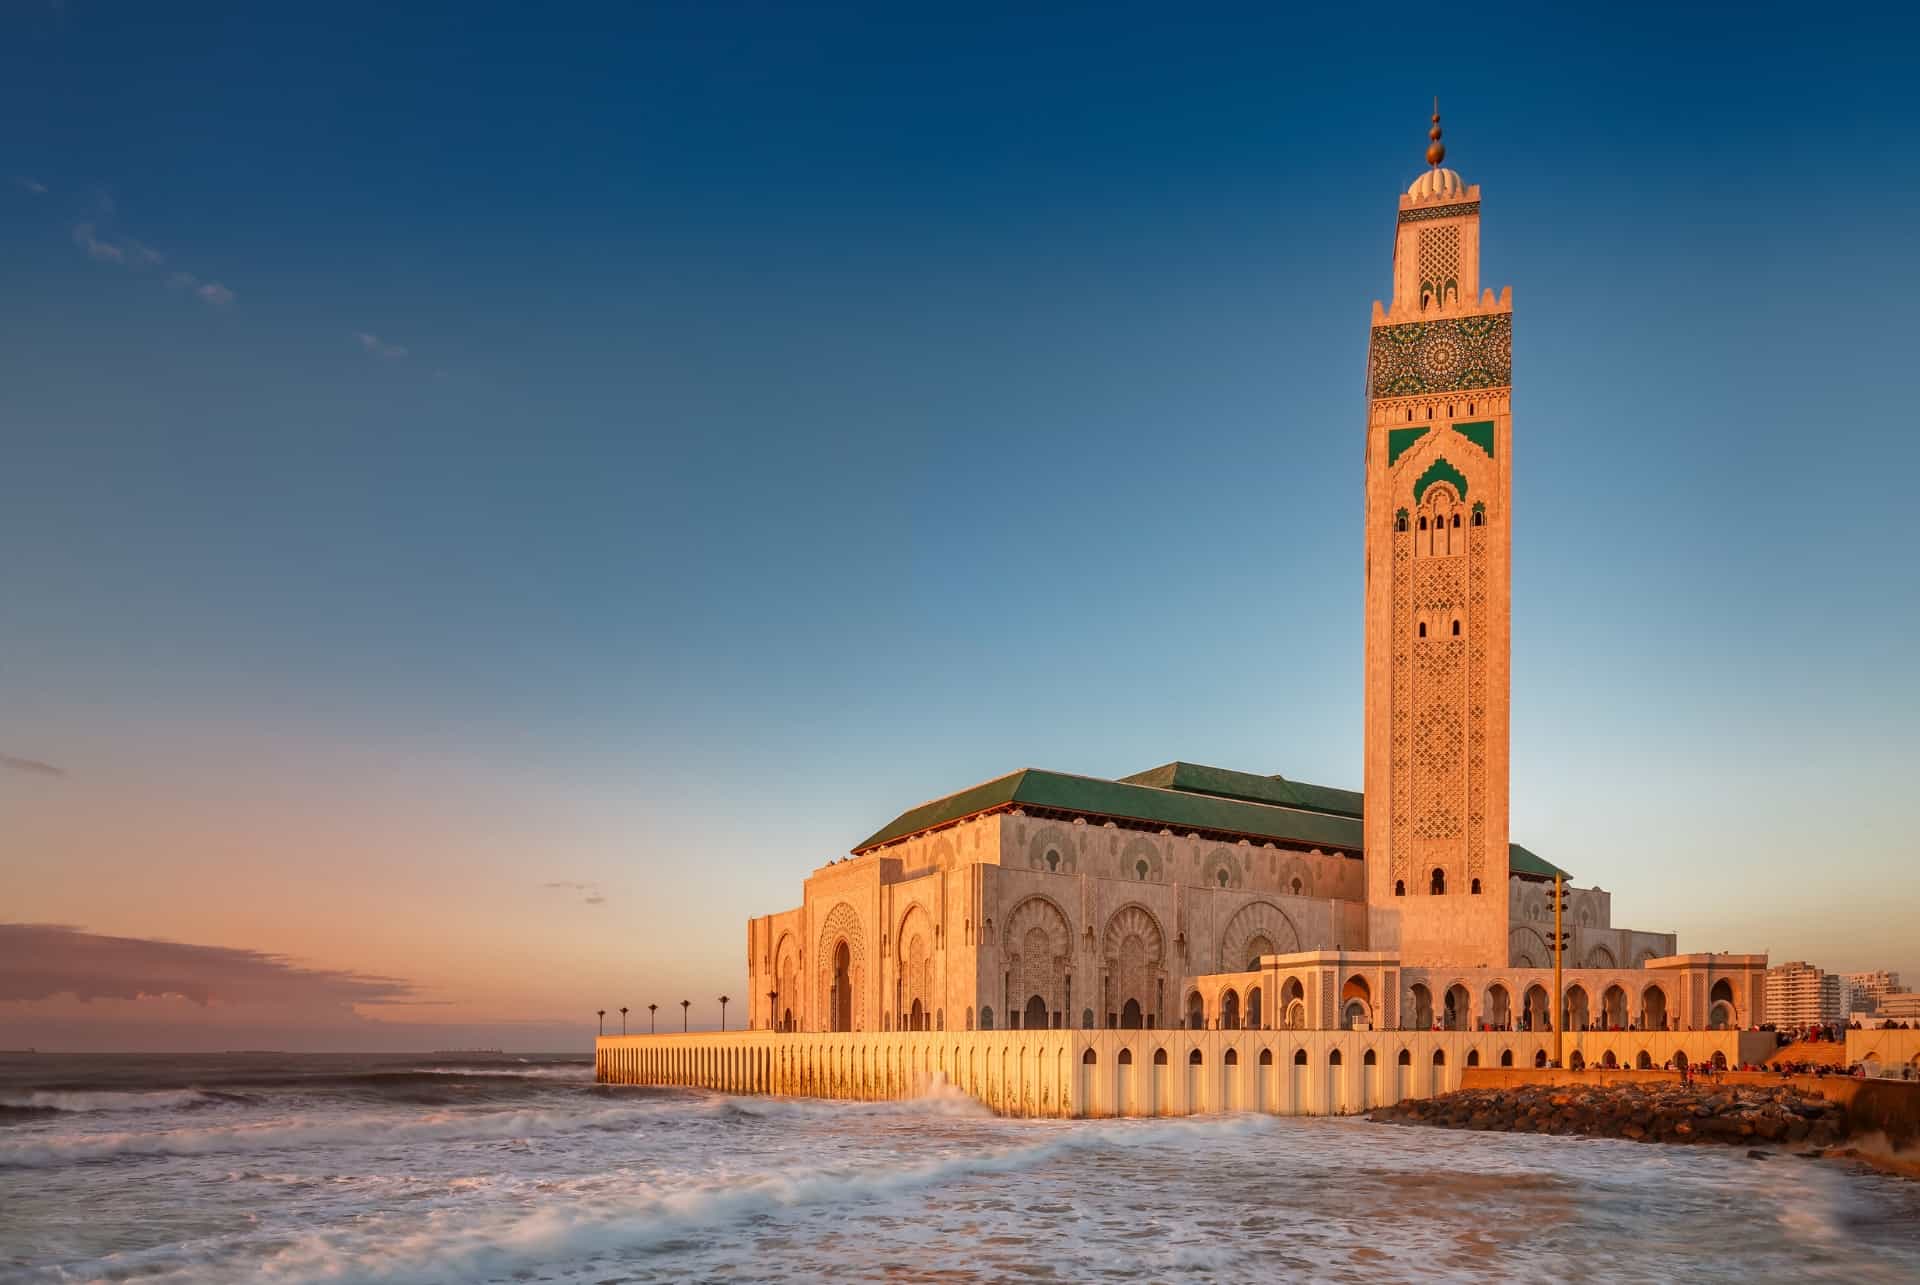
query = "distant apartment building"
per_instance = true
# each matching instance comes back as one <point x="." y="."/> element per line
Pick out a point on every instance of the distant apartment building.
<point x="1902" y="1006"/>
<point x="1866" y="990"/>
<point x="1798" y="994"/>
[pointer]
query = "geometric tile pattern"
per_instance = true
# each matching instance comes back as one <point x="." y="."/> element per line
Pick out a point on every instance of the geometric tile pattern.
<point x="1441" y="356"/>
<point x="1422" y="215"/>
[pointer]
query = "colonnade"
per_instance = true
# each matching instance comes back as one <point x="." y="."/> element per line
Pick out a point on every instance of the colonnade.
<point x="1130" y="1072"/>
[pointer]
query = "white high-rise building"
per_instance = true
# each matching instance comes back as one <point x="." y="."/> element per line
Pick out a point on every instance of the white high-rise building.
<point x="1798" y="994"/>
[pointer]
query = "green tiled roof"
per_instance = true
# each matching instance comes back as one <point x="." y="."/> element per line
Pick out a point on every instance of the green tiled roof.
<point x="1182" y="796"/>
<point x="1522" y="862"/>
<point x="1131" y="801"/>
<point x="1228" y="784"/>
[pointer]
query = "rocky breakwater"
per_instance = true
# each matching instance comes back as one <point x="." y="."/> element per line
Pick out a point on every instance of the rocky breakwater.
<point x="1744" y="1115"/>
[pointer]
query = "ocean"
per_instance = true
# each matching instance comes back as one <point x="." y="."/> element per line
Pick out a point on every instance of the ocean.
<point x="267" y="1167"/>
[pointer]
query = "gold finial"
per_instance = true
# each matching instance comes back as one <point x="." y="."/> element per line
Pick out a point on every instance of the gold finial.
<point x="1436" y="150"/>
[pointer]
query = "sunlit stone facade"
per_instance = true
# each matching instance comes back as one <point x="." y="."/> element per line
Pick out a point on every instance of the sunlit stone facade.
<point x="1195" y="899"/>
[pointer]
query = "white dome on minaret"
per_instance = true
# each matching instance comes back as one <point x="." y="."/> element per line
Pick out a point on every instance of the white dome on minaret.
<point x="1436" y="184"/>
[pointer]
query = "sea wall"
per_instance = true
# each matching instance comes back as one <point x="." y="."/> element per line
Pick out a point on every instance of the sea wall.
<point x="1059" y="1073"/>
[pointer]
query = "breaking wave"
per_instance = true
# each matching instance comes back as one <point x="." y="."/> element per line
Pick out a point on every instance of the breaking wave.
<point x="453" y="1246"/>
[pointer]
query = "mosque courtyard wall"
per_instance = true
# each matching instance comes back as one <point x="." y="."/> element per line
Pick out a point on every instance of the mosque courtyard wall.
<point x="1068" y="1073"/>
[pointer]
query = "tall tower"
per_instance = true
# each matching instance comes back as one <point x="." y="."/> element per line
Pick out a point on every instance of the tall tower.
<point x="1439" y="481"/>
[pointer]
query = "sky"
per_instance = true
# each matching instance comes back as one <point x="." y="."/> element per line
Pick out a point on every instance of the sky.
<point x="493" y="497"/>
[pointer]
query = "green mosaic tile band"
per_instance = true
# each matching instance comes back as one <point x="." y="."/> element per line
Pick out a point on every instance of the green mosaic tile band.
<point x="1441" y="356"/>
<point x="1419" y="215"/>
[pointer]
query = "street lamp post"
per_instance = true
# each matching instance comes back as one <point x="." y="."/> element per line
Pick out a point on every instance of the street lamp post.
<point x="650" y="1009"/>
<point x="623" y="1019"/>
<point x="723" y="1012"/>
<point x="603" y="1021"/>
<point x="685" y="1004"/>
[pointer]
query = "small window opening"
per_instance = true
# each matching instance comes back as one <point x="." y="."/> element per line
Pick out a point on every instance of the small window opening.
<point x="1479" y="519"/>
<point x="1140" y="869"/>
<point x="1223" y="878"/>
<point x="1439" y="882"/>
<point x="1399" y="887"/>
<point x="1053" y="858"/>
<point x="1423" y="629"/>
<point x="1475" y="888"/>
<point x="1456" y="629"/>
<point x="1400" y="523"/>
<point x="1456" y="521"/>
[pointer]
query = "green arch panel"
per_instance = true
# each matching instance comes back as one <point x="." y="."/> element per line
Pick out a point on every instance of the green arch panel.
<point x="1440" y="471"/>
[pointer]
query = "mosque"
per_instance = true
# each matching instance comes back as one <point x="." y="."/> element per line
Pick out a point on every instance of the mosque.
<point x="1236" y="923"/>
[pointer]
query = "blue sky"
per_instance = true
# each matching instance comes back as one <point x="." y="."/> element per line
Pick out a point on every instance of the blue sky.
<point x="451" y="450"/>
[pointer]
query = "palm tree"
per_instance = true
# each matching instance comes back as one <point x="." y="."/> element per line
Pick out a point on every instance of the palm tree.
<point x="623" y="1019"/>
<point x="603" y="1021"/>
<point x="723" y="1012"/>
<point x="650" y="1009"/>
<point x="685" y="1004"/>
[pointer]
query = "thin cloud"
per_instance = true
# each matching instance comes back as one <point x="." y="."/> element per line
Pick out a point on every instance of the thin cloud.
<point x="379" y="347"/>
<point x="41" y="961"/>
<point x="215" y="293"/>
<point x="30" y="186"/>
<point x="33" y="767"/>
<point x="97" y="250"/>
<point x="591" y="894"/>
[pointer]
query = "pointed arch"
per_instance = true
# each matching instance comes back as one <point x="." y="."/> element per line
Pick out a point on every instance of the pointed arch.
<point x="1252" y="924"/>
<point x="842" y="928"/>
<point x="1440" y="471"/>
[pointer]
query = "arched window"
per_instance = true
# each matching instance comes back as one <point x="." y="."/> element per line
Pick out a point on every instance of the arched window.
<point x="1140" y="869"/>
<point x="1053" y="858"/>
<point x="1475" y="888"/>
<point x="1456" y="624"/>
<point x="1297" y="886"/>
<point x="1423" y="524"/>
<point x="1222" y="876"/>
<point x="1399" y="887"/>
<point x="1438" y="884"/>
<point x="1400" y="523"/>
<point x="1088" y="1059"/>
<point x="1300" y="1057"/>
<point x="1423" y="629"/>
<point x="1456" y="522"/>
<point x="986" y="1017"/>
<point x="1086" y="1019"/>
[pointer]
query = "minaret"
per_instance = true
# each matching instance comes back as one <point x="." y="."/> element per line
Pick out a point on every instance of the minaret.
<point x="1439" y="480"/>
